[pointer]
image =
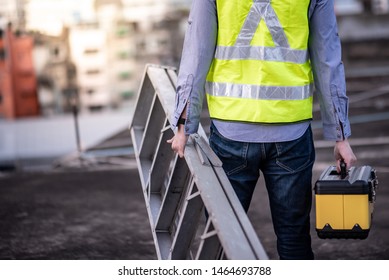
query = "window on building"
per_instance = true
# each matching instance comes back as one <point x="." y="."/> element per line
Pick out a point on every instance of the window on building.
<point x="1" y="97"/>
<point x="123" y="55"/>
<point x="122" y="31"/>
<point x="163" y="43"/>
<point x="93" y="72"/>
<point x="135" y="26"/>
<point x="27" y="93"/>
<point x="2" y="54"/>
<point x="91" y="51"/>
<point x="124" y="75"/>
<point x="55" y="51"/>
<point x="127" y="94"/>
<point x="141" y="45"/>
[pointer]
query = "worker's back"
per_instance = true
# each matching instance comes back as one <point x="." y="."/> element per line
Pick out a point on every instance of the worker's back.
<point x="261" y="71"/>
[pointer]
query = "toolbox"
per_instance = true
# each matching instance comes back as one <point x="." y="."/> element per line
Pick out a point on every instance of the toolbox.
<point x="345" y="202"/>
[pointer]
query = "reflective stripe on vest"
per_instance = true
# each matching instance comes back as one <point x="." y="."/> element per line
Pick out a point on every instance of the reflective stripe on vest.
<point x="259" y="92"/>
<point x="261" y="53"/>
<point x="227" y="81"/>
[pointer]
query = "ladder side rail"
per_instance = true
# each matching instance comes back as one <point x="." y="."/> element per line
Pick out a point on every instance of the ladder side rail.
<point x="243" y="219"/>
<point x="232" y="197"/>
<point x="163" y="88"/>
<point x="172" y="76"/>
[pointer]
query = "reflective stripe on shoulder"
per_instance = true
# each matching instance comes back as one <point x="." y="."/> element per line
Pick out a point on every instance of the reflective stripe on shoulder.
<point x="262" y="9"/>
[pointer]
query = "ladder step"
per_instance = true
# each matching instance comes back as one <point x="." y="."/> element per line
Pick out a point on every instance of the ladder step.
<point x="210" y="246"/>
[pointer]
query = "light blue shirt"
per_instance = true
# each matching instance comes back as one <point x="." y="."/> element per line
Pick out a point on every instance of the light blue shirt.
<point x="327" y="67"/>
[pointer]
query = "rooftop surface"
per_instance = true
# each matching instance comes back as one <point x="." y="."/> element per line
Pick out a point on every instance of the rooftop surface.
<point x="94" y="209"/>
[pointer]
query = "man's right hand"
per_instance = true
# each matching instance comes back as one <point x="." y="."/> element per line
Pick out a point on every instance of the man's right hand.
<point x="179" y="141"/>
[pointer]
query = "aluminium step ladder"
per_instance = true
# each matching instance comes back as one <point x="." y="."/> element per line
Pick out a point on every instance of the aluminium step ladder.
<point x="193" y="210"/>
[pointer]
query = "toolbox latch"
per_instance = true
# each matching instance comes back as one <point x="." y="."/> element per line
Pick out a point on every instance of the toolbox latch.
<point x="373" y="184"/>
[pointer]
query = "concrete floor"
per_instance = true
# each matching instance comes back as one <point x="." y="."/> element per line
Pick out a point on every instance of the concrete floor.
<point x="80" y="214"/>
<point x="101" y="214"/>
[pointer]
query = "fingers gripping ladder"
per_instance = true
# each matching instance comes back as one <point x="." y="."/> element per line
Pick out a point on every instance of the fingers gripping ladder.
<point x="178" y="192"/>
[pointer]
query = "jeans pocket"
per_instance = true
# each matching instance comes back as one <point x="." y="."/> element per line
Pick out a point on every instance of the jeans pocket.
<point x="232" y="153"/>
<point x="294" y="156"/>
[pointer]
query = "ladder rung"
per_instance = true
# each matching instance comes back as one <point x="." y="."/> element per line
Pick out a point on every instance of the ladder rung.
<point x="196" y="194"/>
<point x="209" y="234"/>
<point x="210" y="245"/>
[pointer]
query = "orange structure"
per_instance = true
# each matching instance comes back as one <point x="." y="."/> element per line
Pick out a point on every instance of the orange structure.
<point x="18" y="84"/>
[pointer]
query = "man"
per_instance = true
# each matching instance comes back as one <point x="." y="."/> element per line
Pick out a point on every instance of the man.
<point x="258" y="61"/>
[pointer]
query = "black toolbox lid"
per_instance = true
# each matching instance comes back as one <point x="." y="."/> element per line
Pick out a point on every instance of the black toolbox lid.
<point x="356" y="182"/>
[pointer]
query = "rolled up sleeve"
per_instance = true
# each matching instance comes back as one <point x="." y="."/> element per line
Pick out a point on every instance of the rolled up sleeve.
<point x="198" y="52"/>
<point x="328" y="70"/>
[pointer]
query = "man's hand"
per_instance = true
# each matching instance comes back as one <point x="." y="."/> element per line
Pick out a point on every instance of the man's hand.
<point x="179" y="141"/>
<point x="342" y="150"/>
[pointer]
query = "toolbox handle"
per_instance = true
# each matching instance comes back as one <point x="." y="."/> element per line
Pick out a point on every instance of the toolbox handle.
<point x="343" y="169"/>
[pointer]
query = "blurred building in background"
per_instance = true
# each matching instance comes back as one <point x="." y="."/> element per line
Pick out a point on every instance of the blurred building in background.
<point x="377" y="6"/>
<point x="97" y="49"/>
<point x="56" y="72"/>
<point x="89" y="52"/>
<point x="18" y="86"/>
<point x="108" y="42"/>
<point x="12" y="11"/>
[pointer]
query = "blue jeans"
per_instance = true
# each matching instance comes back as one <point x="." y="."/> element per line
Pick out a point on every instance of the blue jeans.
<point x="287" y="170"/>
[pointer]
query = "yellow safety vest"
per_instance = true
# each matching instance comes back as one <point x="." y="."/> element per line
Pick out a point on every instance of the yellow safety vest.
<point x="261" y="71"/>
